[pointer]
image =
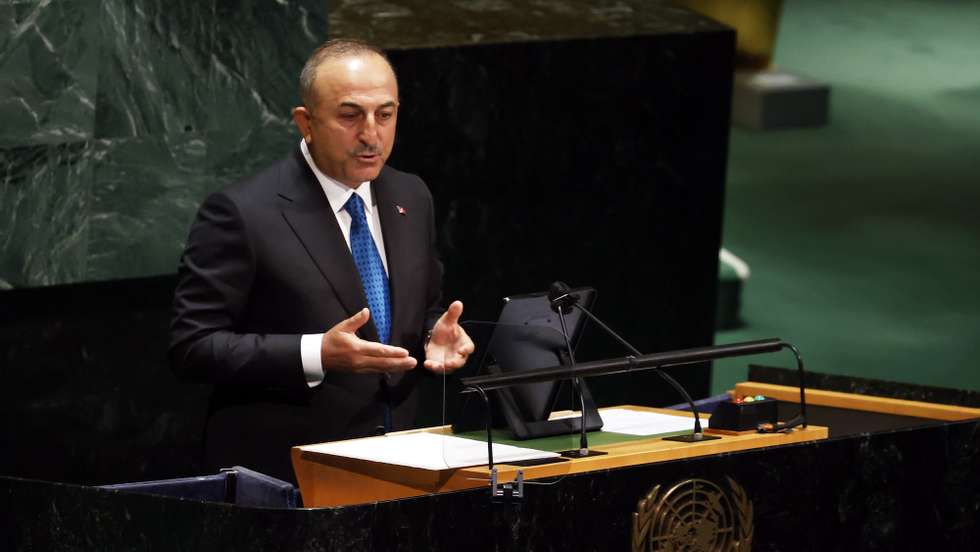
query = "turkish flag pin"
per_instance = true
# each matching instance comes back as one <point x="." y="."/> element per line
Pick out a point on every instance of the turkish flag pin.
<point x="401" y="210"/>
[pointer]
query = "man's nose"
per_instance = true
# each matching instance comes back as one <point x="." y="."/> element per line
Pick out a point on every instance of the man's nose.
<point x="369" y="130"/>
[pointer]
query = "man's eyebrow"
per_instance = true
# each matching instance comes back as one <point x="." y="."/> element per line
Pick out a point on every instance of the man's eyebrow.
<point x="359" y="107"/>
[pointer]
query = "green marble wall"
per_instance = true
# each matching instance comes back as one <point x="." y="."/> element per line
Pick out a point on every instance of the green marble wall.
<point x="118" y="116"/>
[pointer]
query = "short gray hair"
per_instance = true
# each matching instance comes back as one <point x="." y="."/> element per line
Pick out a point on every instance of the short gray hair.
<point x="332" y="49"/>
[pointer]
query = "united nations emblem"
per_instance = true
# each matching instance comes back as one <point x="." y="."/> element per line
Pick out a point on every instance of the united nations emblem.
<point x="694" y="515"/>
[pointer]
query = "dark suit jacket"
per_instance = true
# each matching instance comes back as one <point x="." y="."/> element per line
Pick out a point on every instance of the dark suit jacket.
<point x="266" y="262"/>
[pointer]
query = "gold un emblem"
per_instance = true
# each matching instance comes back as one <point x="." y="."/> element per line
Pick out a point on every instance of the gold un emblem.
<point x="694" y="515"/>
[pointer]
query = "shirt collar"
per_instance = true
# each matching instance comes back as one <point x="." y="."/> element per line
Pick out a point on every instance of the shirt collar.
<point x="337" y="192"/>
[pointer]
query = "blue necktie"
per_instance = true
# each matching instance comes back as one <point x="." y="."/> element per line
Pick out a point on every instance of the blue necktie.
<point x="370" y="267"/>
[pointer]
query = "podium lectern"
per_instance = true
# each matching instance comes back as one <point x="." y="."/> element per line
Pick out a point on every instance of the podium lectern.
<point x="884" y="474"/>
<point x="327" y="480"/>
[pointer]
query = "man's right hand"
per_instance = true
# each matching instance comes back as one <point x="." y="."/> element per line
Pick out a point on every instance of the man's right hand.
<point x="342" y="350"/>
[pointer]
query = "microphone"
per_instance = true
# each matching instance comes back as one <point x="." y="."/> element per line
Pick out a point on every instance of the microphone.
<point x="563" y="300"/>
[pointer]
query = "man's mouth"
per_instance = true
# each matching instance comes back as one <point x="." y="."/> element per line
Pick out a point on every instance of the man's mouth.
<point x="367" y="156"/>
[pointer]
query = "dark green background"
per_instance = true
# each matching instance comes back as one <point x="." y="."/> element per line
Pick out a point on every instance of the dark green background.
<point x="864" y="236"/>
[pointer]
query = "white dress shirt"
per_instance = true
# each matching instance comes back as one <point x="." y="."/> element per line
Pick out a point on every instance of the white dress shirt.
<point x="337" y="194"/>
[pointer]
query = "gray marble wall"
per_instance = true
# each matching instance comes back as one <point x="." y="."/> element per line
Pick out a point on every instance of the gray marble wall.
<point x="118" y="116"/>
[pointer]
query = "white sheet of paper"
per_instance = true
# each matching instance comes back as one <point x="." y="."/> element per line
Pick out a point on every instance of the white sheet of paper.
<point x="631" y="422"/>
<point x="428" y="451"/>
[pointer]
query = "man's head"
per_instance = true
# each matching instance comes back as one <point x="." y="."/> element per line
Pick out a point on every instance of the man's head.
<point x="350" y="99"/>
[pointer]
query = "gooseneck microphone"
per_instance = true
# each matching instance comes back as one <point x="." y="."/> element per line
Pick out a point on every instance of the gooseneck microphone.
<point x="561" y="298"/>
<point x="562" y="306"/>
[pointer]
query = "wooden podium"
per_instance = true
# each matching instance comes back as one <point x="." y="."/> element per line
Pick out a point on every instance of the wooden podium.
<point x="893" y="474"/>
<point x="327" y="480"/>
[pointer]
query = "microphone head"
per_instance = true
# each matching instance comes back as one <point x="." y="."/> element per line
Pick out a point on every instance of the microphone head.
<point x="560" y="296"/>
<point x="557" y="289"/>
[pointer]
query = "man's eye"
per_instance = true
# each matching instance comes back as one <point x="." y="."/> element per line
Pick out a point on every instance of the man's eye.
<point x="385" y="115"/>
<point x="347" y="115"/>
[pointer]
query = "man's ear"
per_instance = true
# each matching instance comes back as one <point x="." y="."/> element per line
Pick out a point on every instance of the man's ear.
<point x="301" y="116"/>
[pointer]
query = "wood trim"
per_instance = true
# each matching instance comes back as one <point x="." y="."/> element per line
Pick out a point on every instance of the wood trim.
<point x="865" y="403"/>
<point x="327" y="480"/>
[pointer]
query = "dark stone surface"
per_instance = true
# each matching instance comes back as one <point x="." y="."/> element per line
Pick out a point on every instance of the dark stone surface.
<point x="912" y="489"/>
<point x="864" y="386"/>
<point x="843" y="422"/>
<point x="604" y="166"/>
<point x="395" y="24"/>
<point x="88" y="396"/>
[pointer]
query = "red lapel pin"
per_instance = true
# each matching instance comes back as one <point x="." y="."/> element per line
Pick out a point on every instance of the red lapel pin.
<point x="401" y="210"/>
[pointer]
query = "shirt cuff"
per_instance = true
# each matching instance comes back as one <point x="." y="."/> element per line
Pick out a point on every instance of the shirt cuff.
<point x="309" y="348"/>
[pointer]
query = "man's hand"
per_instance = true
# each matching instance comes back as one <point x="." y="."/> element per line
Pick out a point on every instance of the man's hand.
<point x="342" y="350"/>
<point x="449" y="346"/>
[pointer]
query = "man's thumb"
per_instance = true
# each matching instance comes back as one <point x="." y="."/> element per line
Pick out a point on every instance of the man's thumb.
<point x="354" y="323"/>
<point x="453" y="313"/>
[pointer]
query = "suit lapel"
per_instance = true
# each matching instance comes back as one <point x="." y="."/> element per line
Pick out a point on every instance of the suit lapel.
<point x="308" y="213"/>
<point x="394" y="230"/>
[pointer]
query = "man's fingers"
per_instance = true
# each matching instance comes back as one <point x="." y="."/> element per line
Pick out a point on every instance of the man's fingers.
<point x="445" y="365"/>
<point x="378" y="350"/>
<point x="437" y="367"/>
<point x="388" y="364"/>
<point x="467" y="346"/>
<point x="452" y="314"/>
<point x="354" y="323"/>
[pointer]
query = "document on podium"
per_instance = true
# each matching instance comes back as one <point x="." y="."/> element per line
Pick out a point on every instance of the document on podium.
<point x="634" y="422"/>
<point x="427" y="451"/>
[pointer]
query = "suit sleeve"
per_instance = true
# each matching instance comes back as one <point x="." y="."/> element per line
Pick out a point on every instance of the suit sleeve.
<point x="434" y="297"/>
<point x="208" y="341"/>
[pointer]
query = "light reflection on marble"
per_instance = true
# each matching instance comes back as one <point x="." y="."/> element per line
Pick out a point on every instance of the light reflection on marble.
<point x="254" y="76"/>
<point x="45" y="200"/>
<point x="153" y="76"/>
<point x="161" y="102"/>
<point x="48" y="59"/>
<point x="141" y="211"/>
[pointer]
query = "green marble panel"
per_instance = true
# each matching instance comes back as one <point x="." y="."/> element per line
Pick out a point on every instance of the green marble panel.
<point x="45" y="198"/>
<point x="145" y="192"/>
<point x="254" y="74"/>
<point x="207" y="94"/>
<point x="48" y="60"/>
<point x="156" y="59"/>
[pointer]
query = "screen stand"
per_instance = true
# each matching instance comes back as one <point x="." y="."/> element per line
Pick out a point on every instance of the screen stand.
<point x="524" y="429"/>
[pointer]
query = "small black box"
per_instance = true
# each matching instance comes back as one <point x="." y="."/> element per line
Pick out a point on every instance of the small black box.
<point x="772" y="98"/>
<point x="743" y="416"/>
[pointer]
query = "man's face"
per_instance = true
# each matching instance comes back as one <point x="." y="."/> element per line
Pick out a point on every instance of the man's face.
<point x="350" y="130"/>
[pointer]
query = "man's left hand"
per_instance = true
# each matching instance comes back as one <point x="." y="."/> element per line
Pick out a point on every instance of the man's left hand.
<point x="449" y="346"/>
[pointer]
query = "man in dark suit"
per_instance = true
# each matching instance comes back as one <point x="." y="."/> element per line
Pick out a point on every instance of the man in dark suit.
<point x="307" y="292"/>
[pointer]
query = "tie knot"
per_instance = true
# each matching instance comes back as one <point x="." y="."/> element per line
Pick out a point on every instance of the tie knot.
<point x="355" y="206"/>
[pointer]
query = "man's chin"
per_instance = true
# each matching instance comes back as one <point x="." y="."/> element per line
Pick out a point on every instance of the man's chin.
<point x="365" y="172"/>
